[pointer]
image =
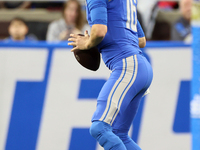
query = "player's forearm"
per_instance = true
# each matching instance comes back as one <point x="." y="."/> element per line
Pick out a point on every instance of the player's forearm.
<point x="98" y="33"/>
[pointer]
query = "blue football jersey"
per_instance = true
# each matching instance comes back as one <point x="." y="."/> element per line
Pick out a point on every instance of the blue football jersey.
<point x="121" y="39"/>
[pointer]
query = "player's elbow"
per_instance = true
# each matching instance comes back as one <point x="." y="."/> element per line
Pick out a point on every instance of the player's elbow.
<point x="142" y="42"/>
<point x="100" y="30"/>
<point x="101" y="34"/>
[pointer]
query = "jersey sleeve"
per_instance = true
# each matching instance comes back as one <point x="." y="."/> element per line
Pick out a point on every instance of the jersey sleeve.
<point x="140" y="30"/>
<point x="98" y="11"/>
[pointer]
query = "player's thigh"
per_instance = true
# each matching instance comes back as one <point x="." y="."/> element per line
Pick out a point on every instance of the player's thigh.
<point x="123" y="121"/>
<point x="129" y="106"/>
<point x="104" y="94"/>
<point x="120" y="89"/>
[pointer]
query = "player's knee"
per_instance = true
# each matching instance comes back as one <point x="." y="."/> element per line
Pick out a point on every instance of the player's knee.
<point x="102" y="132"/>
<point x="96" y="128"/>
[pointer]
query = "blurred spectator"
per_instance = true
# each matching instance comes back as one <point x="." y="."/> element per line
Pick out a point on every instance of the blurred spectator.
<point x="181" y="30"/>
<point x="18" y="31"/>
<point x="15" y="4"/>
<point x="160" y="8"/>
<point x="145" y="7"/>
<point x="167" y="5"/>
<point x="161" y="31"/>
<point x="72" y="22"/>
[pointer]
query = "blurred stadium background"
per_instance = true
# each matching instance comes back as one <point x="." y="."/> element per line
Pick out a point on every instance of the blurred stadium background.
<point x="47" y="99"/>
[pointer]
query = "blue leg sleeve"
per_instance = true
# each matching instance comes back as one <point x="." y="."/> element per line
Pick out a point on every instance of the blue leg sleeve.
<point x="102" y="132"/>
<point x="128" y="142"/>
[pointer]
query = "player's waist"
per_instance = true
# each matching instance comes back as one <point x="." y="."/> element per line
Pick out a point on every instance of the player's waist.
<point x="119" y="38"/>
<point x="112" y="56"/>
<point x="110" y="44"/>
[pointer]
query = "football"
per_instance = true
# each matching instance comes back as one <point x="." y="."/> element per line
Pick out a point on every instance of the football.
<point x="89" y="59"/>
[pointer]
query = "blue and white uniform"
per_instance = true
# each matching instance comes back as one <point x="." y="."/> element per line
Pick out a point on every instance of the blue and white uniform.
<point x="131" y="75"/>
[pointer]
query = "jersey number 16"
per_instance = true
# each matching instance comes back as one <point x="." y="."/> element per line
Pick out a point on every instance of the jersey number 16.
<point x="131" y="15"/>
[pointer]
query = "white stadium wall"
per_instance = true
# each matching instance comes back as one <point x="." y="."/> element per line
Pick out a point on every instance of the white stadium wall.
<point x="47" y="99"/>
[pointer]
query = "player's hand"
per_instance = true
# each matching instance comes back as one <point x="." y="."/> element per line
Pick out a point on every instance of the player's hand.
<point x="79" y="42"/>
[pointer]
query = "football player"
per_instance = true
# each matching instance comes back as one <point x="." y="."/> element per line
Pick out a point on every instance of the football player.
<point x="118" y="36"/>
